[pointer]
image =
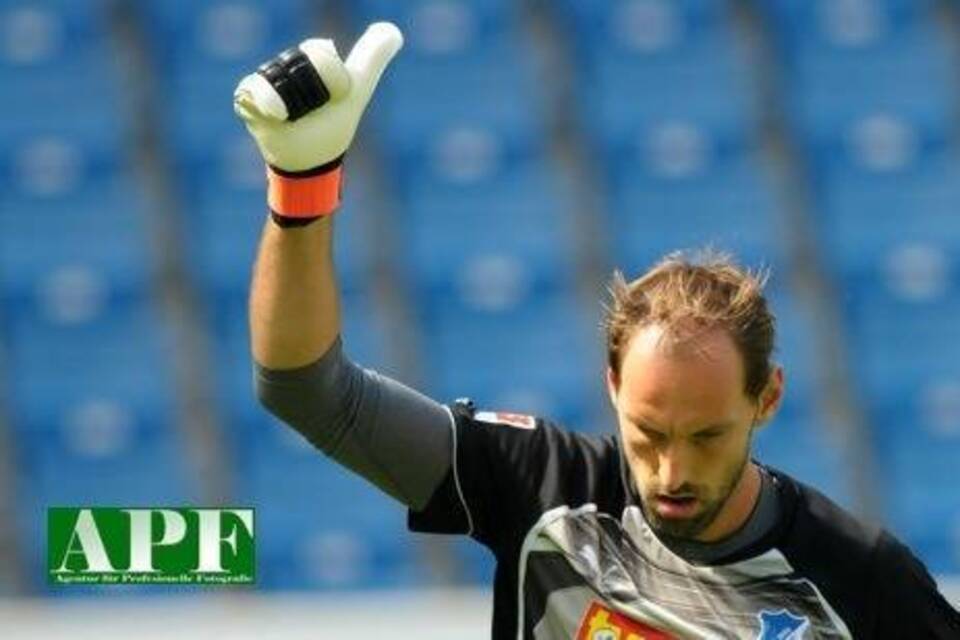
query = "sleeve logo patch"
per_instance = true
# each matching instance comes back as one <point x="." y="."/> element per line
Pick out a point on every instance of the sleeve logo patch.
<point x="519" y="420"/>
<point x="602" y="623"/>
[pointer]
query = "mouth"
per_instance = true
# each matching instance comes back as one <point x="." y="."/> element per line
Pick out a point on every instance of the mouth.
<point x="675" y="507"/>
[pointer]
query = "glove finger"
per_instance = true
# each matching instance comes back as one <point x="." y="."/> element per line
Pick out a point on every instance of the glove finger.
<point x="325" y="59"/>
<point x="255" y="99"/>
<point x="370" y="56"/>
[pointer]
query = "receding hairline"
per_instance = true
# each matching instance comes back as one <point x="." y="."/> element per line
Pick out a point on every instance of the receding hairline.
<point x="690" y="294"/>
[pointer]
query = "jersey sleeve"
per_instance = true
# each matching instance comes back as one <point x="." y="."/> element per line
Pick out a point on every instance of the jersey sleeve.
<point x="508" y="469"/>
<point x="910" y="605"/>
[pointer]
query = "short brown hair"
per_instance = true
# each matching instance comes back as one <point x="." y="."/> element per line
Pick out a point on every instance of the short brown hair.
<point x="708" y="290"/>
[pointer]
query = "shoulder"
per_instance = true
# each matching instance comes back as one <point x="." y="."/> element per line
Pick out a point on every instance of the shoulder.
<point x="825" y="526"/>
<point x="829" y="547"/>
<point x="530" y="435"/>
<point x="909" y="600"/>
<point x="869" y="577"/>
<point x="539" y="456"/>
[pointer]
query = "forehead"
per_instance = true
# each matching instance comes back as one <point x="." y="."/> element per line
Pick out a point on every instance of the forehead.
<point x="695" y="381"/>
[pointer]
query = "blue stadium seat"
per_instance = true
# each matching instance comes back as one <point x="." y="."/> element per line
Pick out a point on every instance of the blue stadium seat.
<point x="50" y="52"/>
<point x="796" y="348"/>
<point x="806" y="448"/>
<point x="321" y="527"/>
<point x="732" y="207"/>
<point x="426" y="107"/>
<point x="899" y="343"/>
<point x="104" y="459"/>
<point x="92" y="414"/>
<point x="506" y="235"/>
<point x="47" y="33"/>
<point x="639" y="25"/>
<point x="76" y="253"/>
<point x="437" y="27"/>
<point x="59" y="158"/>
<point x="909" y="383"/>
<point x="224" y="230"/>
<point x="849" y="23"/>
<point x="456" y="55"/>
<point x="648" y="65"/>
<point x="204" y="49"/>
<point x="88" y="78"/>
<point x="896" y="232"/>
<point x="918" y="444"/>
<point x="502" y="358"/>
<point x="880" y="105"/>
<point x="629" y="99"/>
<point x="190" y="35"/>
<point x="65" y="366"/>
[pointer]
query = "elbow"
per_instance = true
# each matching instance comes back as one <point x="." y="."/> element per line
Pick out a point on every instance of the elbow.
<point x="302" y="399"/>
<point x="268" y="397"/>
<point x="277" y="390"/>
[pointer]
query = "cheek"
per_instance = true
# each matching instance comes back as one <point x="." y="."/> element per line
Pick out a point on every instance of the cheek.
<point x="641" y="456"/>
<point x="723" y="460"/>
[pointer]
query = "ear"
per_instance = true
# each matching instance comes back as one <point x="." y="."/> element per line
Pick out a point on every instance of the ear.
<point x="613" y="387"/>
<point x="772" y="395"/>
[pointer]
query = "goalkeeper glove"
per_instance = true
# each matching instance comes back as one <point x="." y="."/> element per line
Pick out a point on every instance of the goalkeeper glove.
<point x="302" y="108"/>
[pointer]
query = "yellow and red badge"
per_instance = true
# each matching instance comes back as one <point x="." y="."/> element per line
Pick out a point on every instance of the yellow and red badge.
<point x="519" y="420"/>
<point x="603" y="623"/>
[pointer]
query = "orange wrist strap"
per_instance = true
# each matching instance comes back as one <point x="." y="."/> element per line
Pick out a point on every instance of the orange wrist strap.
<point x="308" y="195"/>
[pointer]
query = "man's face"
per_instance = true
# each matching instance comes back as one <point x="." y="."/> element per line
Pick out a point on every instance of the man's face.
<point x="686" y="425"/>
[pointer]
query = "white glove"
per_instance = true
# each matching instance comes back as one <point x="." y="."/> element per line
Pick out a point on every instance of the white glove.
<point x="313" y="141"/>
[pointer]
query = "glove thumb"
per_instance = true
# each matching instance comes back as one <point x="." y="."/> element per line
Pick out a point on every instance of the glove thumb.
<point x="370" y="56"/>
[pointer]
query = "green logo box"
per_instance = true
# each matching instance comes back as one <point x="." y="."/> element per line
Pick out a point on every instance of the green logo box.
<point x="107" y="545"/>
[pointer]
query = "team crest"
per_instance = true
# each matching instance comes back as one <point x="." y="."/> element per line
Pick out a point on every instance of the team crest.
<point x="781" y="625"/>
<point x="602" y="623"/>
<point x="520" y="420"/>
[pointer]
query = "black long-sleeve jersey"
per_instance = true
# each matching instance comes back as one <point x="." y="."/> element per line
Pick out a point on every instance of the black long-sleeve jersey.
<point x="576" y="558"/>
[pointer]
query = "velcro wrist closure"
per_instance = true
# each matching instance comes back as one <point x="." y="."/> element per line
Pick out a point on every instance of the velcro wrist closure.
<point x="305" y="194"/>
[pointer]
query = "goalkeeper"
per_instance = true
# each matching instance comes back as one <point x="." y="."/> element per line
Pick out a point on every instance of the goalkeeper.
<point x="666" y="528"/>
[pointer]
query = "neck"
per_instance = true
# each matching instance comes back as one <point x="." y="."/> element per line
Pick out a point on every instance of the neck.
<point x="738" y="507"/>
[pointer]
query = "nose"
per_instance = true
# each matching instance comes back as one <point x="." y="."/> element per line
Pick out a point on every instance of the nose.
<point x="673" y="469"/>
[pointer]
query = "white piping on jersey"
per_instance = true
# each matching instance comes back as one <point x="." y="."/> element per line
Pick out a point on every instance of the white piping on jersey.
<point x="456" y="474"/>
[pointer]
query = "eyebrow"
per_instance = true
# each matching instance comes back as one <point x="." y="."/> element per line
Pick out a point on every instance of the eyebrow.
<point x="646" y="424"/>
<point x="719" y="426"/>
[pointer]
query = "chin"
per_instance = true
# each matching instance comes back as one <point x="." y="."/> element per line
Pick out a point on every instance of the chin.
<point x="685" y="529"/>
<point x="681" y="528"/>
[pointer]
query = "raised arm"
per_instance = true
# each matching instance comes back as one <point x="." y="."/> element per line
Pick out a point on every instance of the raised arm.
<point x="294" y="303"/>
<point x="303" y="108"/>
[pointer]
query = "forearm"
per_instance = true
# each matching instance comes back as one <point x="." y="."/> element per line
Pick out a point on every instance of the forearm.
<point x="294" y="302"/>
<point x="302" y="108"/>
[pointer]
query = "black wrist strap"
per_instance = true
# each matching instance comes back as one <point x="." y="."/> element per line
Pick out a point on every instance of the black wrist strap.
<point x="287" y="222"/>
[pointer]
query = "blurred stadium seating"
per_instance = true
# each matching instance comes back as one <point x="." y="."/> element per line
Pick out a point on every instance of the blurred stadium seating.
<point x="476" y="171"/>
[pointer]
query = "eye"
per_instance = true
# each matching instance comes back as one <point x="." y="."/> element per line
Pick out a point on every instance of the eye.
<point x="653" y="436"/>
<point x="708" y="436"/>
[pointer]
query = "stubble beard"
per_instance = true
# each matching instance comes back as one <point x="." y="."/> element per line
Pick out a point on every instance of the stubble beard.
<point x="690" y="528"/>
